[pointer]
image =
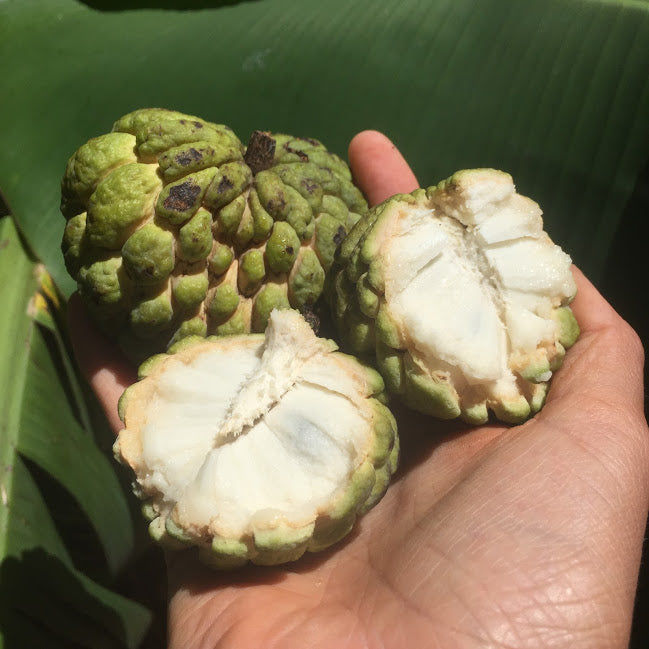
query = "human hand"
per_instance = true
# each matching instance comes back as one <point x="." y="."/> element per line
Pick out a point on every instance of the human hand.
<point x="526" y="536"/>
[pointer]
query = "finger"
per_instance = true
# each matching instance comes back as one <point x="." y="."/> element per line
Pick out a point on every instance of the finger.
<point x="102" y="363"/>
<point x="607" y="360"/>
<point x="590" y="307"/>
<point x="378" y="167"/>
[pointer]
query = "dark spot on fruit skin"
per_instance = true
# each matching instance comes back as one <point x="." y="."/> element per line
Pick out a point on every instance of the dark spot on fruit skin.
<point x="310" y="185"/>
<point x="273" y="204"/>
<point x="303" y="156"/>
<point x="225" y="185"/>
<point x="182" y="197"/>
<point x="187" y="157"/>
<point x="289" y="250"/>
<point x="340" y="235"/>
<point x="198" y="125"/>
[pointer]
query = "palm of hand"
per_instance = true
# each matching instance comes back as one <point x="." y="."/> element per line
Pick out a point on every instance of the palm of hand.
<point x="492" y="537"/>
<point x="501" y="537"/>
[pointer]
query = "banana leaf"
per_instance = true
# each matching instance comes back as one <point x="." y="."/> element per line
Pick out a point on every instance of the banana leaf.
<point x="554" y="91"/>
<point x="56" y="576"/>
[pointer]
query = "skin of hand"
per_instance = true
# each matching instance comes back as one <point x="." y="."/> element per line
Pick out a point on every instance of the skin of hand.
<point x="527" y="536"/>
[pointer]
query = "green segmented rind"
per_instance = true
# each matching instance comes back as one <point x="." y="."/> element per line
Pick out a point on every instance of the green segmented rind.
<point x="475" y="414"/>
<point x="428" y="394"/>
<point x="282" y="248"/>
<point x="252" y="271"/>
<point x="225" y="554"/>
<point x="195" y="237"/>
<point x="195" y="156"/>
<point x="514" y="411"/>
<point x="121" y="202"/>
<point x="152" y="315"/>
<point x="186" y="343"/>
<point x="225" y="300"/>
<point x="196" y="327"/>
<point x="270" y="296"/>
<point x="230" y="181"/>
<point x="149" y="365"/>
<point x="237" y="323"/>
<point x="188" y="178"/>
<point x="181" y="199"/>
<point x="535" y="372"/>
<point x="148" y="254"/>
<point x="568" y="326"/>
<point x="101" y="282"/>
<point x="306" y="280"/>
<point x="90" y="164"/>
<point x="121" y="404"/>
<point x="281" y="544"/>
<point x="189" y="290"/>
<point x="72" y="244"/>
<point x="229" y="216"/>
<point x="367" y="298"/>
<point x="159" y="533"/>
<point x="220" y="259"/>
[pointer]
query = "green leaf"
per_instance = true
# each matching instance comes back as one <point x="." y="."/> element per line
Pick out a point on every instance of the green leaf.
<point x="42" y="594"/>
<point x="15" y="336"/>
<point x="554" y="91"/>
<point x="53" y="438"/>
<point x="44" y="599"/>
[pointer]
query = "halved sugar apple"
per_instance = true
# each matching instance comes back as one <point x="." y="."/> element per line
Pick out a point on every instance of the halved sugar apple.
<point x="175" y="228"/>
<point x="461" y="295"/>
<point x="257" y="447"/>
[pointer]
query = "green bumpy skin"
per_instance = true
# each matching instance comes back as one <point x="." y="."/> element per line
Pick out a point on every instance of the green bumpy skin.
<point x="459" y="296"/>
<point x="171" y="221"/>
<point x="257" y="447"/>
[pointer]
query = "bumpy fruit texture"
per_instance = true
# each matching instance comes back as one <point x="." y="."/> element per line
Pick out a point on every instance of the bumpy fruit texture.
<point x="460" y="295"/>
<point x="257" y="447"/>
<point x="174" y="228"/>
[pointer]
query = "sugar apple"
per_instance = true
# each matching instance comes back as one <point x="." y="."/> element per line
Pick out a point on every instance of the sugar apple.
<point x="461" y="297"/>
<point x="174" y="228"/>
<point x="257" y="447"/>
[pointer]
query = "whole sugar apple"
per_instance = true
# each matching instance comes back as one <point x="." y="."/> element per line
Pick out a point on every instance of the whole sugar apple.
<point x="460" y="295"/>
<point x="174" y="228"/>
<point x="257" y="447"/>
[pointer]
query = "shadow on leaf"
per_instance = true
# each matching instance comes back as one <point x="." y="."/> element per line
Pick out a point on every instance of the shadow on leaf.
<point x="43" y="603"/>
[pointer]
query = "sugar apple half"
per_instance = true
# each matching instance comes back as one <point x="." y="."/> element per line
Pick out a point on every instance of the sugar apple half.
<point x="257" y="447"/>
<point x="460" y="295"/>
<point x="175" y="228"/>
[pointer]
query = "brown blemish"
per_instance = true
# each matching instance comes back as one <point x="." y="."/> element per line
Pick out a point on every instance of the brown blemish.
<point x="340" y="235"/>
<point x="300" y="154"/>
<point x="310" y="185"/>
<point x="182" y="197"/>
<point x="224" y="185"/>
<point x="276" y="204"/>
<point x="187" y="157"/>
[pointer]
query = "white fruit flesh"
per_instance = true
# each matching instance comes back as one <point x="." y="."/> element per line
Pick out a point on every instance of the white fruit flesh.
<point x="256" y="433"/>
<point x="472" y="285"/>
